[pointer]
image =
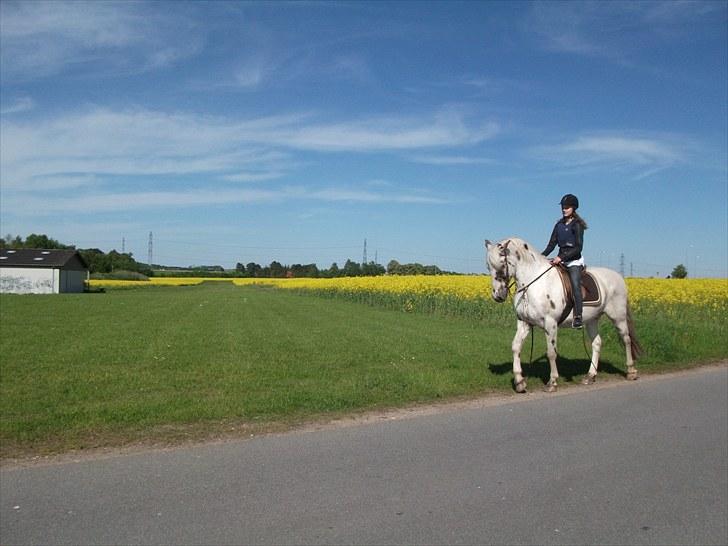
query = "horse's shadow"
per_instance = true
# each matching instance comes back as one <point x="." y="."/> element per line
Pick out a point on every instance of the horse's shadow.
<point x="568" y="368"/>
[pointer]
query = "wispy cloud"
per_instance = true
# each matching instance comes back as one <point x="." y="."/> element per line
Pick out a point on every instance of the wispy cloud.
<point x="337" y="194"/>
<point x="252" y="176"/>
<point x="590" y="149"/>
<point x="44" y="38"/>
<point x="645" y="155"/>
<point x="100" y="202"/>
<point x="113" y="153"/>
<point x="564" y="27"/>
<point x="142" y="142"/>
<point x="22" y="104"/>
<point x="450" y="160"/>
<point x="617" y="30"/>
<point x="120" y="201"/>
<point x="442" y="130"/>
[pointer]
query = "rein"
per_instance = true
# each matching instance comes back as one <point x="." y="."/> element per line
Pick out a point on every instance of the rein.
<point x="524" y="288"/>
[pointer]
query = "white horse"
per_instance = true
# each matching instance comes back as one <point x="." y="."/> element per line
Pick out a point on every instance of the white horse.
<point x="540" y="301"/>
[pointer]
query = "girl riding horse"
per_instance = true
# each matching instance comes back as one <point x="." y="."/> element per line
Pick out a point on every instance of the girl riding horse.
<point x="568" y="233"/>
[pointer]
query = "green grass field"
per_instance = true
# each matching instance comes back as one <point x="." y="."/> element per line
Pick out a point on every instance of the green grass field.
<point x="167" y="364"/>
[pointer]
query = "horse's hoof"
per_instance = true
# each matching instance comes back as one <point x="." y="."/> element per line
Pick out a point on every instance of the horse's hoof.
<point x="550" y="387"/>
<point x="633" y="376"/>
<point x="589" y="380"/>
<point x="521" y="386"/>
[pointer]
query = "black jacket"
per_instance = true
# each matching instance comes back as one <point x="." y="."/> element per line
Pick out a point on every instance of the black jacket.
<point x="569" y="237"/>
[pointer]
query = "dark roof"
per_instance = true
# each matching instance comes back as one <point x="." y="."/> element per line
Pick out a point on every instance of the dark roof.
<point x="38" y="257"/>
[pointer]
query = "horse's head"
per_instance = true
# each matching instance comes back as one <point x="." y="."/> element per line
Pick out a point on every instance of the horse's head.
<point x="497" y="262"/>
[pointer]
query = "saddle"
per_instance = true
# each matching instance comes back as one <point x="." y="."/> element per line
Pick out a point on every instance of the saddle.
<point x="590" y="293"/>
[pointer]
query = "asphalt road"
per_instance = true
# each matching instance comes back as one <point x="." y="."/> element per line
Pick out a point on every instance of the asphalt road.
<point x="639" y="463"/>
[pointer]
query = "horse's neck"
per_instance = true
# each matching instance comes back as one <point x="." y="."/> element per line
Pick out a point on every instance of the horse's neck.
<point x="529" y="267"/>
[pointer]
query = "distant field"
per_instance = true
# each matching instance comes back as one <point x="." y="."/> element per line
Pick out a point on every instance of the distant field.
<point x="165" y="364"/>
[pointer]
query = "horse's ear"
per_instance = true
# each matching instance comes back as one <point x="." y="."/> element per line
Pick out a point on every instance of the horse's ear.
<point x="488" y="244"/>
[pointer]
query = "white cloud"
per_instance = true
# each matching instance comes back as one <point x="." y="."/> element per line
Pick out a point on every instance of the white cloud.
<point x="565" y="27"/>
<point x="120" y="201"/>
<point x="110" y="154"/>
<point x="338" y="194"/>
<point x="43" y="204"/>
<point x="142" y="142"/>
<point x="620" y="149"/>
<point x="615" y="30"/>
<point x="252" y="176"/>
<point x="22" y="104"/>
<point x="450" y="160"/>
<point x="642" y="156"/>
<point x="444" y="130"/>
<point x="41" y="38"/>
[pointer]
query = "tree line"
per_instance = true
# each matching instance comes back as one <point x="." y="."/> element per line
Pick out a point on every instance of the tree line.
<point x="98" y="261"/>
<point x="109" y="263"/>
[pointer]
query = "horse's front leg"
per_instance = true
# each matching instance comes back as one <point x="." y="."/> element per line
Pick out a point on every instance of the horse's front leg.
<point x="522" y="331"/>
<point x="551" y="329"/>
<point x="592" y="328"/>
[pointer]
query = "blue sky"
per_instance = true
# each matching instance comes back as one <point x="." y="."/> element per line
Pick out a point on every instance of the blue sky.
<point x="287" y="131"/>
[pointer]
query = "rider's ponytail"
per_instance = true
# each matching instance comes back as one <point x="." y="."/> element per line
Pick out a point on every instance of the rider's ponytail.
<point x="580" y="220"/>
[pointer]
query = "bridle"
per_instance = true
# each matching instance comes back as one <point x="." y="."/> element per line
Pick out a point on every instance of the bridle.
<point x="504" y="253"/>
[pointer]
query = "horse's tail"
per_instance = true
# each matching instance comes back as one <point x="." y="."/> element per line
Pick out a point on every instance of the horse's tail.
<point x="635" y="346"/>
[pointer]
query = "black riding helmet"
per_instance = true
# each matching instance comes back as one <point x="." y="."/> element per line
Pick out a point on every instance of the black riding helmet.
<point x="570" y="200"/>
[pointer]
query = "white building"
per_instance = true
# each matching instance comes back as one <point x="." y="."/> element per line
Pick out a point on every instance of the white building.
<point x="36" y="271"/>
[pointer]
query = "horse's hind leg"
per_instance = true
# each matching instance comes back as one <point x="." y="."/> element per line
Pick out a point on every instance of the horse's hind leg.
<point x="522" y="331"/>
<point x="592" y="328"/>
<point x="622" y="326"/>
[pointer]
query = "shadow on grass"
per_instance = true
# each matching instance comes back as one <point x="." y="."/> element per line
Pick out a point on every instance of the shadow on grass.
<point x="568" y="368"/>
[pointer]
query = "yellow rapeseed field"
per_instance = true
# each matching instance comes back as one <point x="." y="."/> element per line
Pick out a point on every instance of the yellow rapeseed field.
<point x="713" y="292"/>
<point x="709" y="292"/>
<point x="154" y="281"/>
<point x="464" y="287"/>
<point x="695" y="291"/>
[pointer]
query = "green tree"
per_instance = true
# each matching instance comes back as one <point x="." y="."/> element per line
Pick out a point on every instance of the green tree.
<point x="252" y="269"/>
<point x="43" y="241"/>
<point x="352" y="269"/>
<point x="277" y="270"/>
<point x="680" y="272"/>
<point x="393" y="267"/>
<point x="333" y="271"/>
<point x="97" y="261"/>
<point x="372" y="269"/>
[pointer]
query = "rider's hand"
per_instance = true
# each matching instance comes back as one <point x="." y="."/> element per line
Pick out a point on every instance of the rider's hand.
<point x="556" y="261"/>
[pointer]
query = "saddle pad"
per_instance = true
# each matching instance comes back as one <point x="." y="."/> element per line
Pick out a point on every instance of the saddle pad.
<point x="591" y="296"/>
<point x="590" y="289"/>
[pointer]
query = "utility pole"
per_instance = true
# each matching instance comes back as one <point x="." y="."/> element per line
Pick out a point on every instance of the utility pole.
<point x="123" y="245"/>
<point x="621" y="264"/>
<point x="631" y="269"/>
<point x="149" y="255"/>
<point x="364" y="261"/>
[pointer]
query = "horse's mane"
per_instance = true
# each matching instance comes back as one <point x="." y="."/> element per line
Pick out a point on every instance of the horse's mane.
<point x="523" y="250"/>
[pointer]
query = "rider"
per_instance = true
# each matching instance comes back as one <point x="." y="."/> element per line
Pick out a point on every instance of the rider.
<point x="568" y="233"/>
